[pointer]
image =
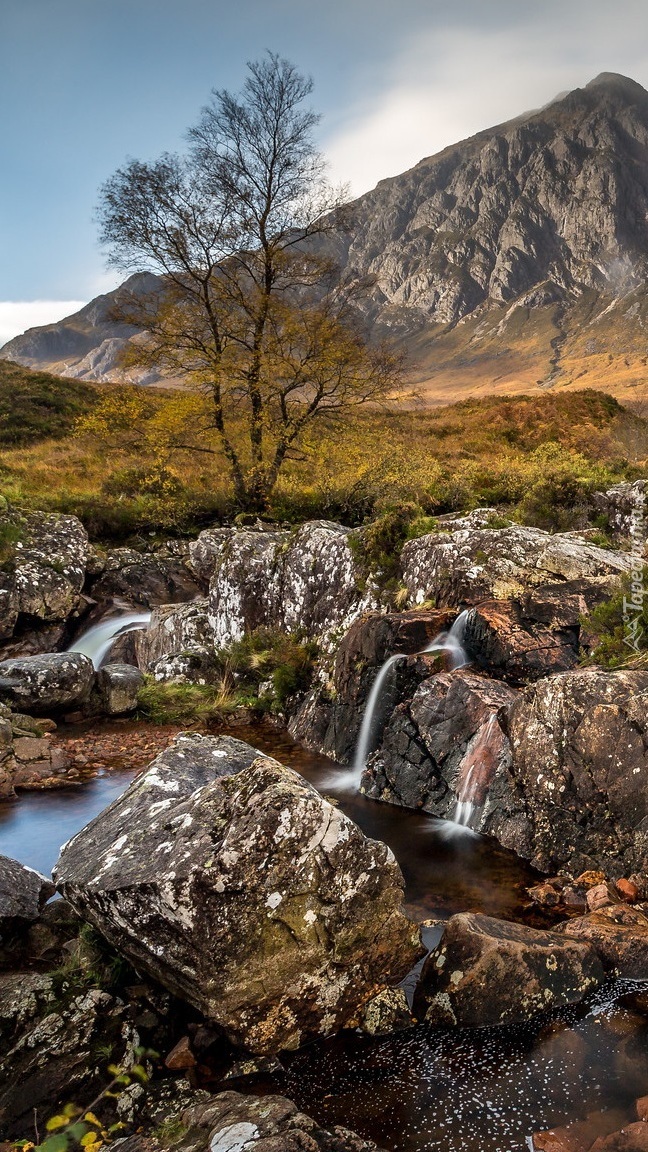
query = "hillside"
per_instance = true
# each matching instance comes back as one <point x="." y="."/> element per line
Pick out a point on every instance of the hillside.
<point x="511" y="261"/>
<point x="36" y="406"/>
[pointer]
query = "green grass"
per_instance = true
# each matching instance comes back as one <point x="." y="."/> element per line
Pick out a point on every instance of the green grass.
<point x="36" y="406"/>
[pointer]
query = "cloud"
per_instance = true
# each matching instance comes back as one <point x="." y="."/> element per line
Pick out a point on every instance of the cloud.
<point x="18" y="315"/>
<point x="445" y="85"/>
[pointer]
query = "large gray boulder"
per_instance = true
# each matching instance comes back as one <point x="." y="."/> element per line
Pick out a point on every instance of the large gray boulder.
<point x="579" y="773"/>
<point x="48" y="683"/>
<point x="624" y="509"/>
<point x="43" y="582"/>
<point x="233" y="883"/>
<point x="174" y="629"/>
<point x="488" y="972"/>
<point x="117" y="689"/>
<point x="309" y="580"/>
<point x="473" y="564"/>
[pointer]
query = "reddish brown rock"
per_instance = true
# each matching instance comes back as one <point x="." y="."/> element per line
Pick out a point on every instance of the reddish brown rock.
<point x="601" y="896"/>
<point x="490" y="972"/>
<point x="632" y="1138"/>
<point x="181" y="1056"/>
<point x="641" y="1106"/>
<point x="627" y="890"/>
<point x="619" y="934"/>
<point x="515" y="646"/>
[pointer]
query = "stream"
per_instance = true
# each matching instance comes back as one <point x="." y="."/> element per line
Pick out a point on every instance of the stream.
<point x="453" y="1090"/>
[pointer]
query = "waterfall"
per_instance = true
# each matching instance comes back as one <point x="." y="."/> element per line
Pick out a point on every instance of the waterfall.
<point x="479" y="767"/>
<point x="452" y="642"/>
<point x="97" y="641"/>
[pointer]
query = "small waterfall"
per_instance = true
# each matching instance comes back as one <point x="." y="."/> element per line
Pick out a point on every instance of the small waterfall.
<point x="478" y="770"/>
<point x="452" y="642"/>
<point x="363" y="746"/>
<point x="97" y="641"/>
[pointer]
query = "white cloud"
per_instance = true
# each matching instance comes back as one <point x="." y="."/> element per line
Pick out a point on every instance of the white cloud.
<point x="18" y="315"/>
<point x="446" y="85"/>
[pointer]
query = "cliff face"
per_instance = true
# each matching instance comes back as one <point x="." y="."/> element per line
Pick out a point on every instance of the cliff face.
<point x="512" y="259"/>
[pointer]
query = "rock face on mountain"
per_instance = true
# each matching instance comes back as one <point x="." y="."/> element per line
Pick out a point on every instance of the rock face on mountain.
<point x="232" y="882"/>
<point x="512" y="258"/>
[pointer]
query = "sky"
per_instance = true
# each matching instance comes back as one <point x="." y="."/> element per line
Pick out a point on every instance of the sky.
<point x="85" y="84"/>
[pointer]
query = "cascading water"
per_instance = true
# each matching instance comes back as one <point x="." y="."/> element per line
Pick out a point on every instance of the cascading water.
<point x="450" y="642"/>
<point x="97" y="641"/>
<point x="479" y="767"/>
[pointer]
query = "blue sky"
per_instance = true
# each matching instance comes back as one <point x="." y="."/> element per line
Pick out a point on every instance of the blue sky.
<point x="86" y="83"/>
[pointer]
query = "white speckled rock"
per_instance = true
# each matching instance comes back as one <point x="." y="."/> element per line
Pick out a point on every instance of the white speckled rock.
<point x="173" y="629"/>
<point x="48" y="683"/>
<point x="306" y="580"/>
<point x="22" y="892"/>
<point x="230" y="880"/>
<point x="474" y="564"/>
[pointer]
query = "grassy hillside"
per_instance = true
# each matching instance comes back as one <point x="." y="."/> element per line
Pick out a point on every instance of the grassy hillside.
<point x="536" y="457"/>
<point x="35" y="406"/>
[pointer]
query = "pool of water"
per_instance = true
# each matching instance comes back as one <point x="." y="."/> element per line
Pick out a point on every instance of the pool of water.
<point x="479" y="1090"/>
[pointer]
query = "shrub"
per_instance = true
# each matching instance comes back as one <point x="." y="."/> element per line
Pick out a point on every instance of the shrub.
<point x="163" y="702"/>
<point x="269" y="657"/>
<point x="611" y="627"/>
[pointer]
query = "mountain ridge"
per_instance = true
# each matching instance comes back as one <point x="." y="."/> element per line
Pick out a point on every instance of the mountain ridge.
<point x="514" y="259"/>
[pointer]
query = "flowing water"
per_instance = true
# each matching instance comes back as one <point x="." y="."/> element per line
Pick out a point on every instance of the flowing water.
<point x="98" y="640"/>
<point x="449" y="642"/>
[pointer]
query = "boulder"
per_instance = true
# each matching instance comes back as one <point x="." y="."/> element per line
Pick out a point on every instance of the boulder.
<point x="488" y="972"/>
<point x="447" y="743"/>
<point x="506" y="638"/>
<point x="205" y="553"/>
<point x="233" y="883"/>
<point x="632" y="1138"/>
<point x="23" y="892"/>
<point x="623" y="507"/>
<point x="620" y="936"/>
<point x="475" y="564"/>
<point x="308" y="580"/>
<point x="579" y="773"/>
<point x="50" y="565"/>
<point x="146" y="578"/>
<point x="174" y="629"/>
<point x="117" y="689"/>
<point x="233" y="1122"/>
<point x="329" y="719"/>
<point x="47" y="683"/>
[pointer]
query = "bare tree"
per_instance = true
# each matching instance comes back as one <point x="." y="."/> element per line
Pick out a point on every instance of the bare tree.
<point x="240" y="228"/>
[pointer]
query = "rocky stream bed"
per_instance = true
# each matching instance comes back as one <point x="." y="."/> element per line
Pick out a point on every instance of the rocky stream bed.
<point x="414" y="902"/>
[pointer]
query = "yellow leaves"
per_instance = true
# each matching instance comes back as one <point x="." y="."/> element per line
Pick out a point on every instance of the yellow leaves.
<point x="56" y="1122"/>
<point x="91" y="1141"/>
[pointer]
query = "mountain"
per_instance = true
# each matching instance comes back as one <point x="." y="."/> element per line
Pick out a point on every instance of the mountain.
<point x="513" y="260"/>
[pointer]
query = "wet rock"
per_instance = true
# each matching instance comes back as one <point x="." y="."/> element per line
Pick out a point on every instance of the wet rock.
<point x="308" y="580"/>
<point x="505" y="563"/>
<point x="47" y="683"/>
<point x="117" y="689"/>
<point x="145" y="578"/>
<point x="632" y="1138"/>
<point x="620" y="936"/>
<point x="330" y="717"/>
<point x="233" y="1122"/>
<point x="448" y="740"/>
<point x="517" y="647"/>
<point x="387" y="1012"/>
<point x="229" y="879"/>
<point x="48" y="1049"/>
<point x="487" y="972"/>
<point x="23" y="892"/>
<point x="580" y="773"/>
